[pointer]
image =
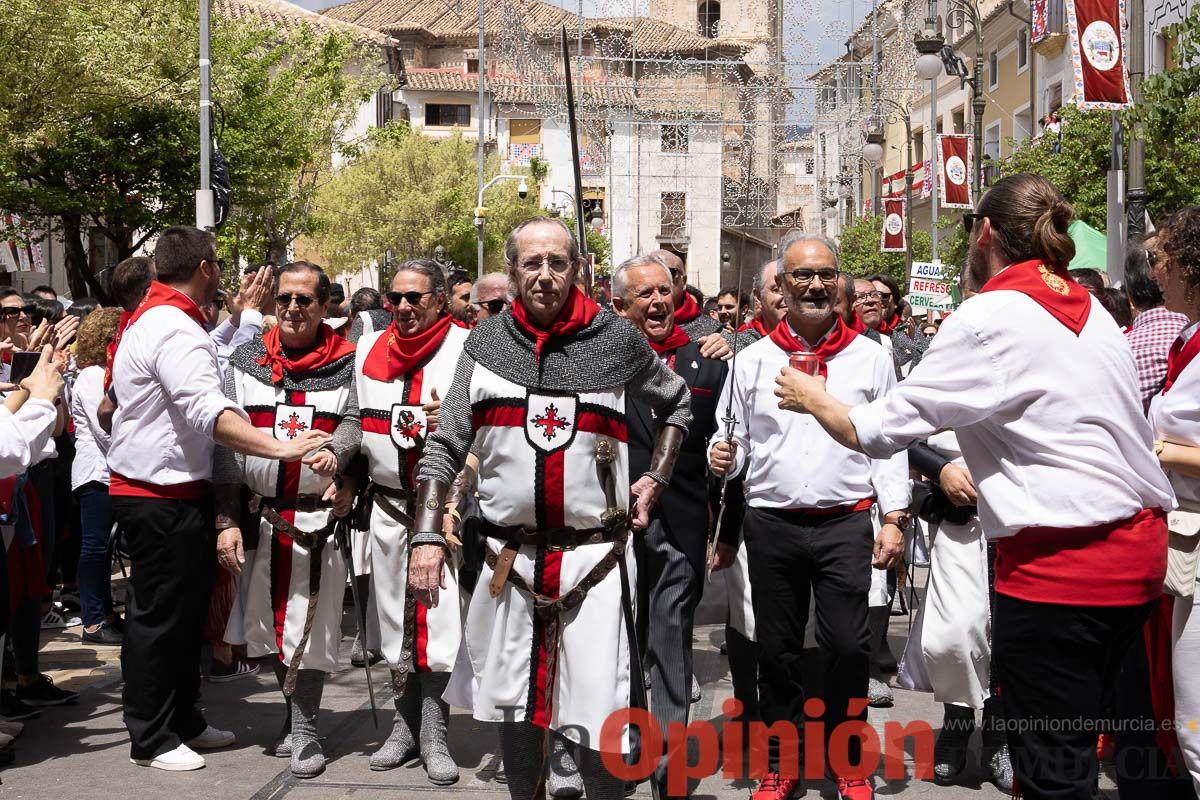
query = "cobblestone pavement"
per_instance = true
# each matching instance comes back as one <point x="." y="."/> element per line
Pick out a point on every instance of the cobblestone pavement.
<point x="81" y="750"/>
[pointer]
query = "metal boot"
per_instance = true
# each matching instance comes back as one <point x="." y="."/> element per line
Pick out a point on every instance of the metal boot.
<point x="401" y="745"/>
<point x="435" y="752"/>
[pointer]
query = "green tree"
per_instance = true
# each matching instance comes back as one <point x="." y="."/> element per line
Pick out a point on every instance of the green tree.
<point x="409" y="193"/>
<point x="860" y="256"/>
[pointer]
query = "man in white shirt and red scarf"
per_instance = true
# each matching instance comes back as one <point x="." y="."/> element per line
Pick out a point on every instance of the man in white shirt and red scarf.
<point x="673" y="549"/>
<point x="295" y="378"/>
<point x="170" y="408"/>
<point x="401" y="372"/>
<point x="1040" y="387"/>
<point x="543" y="390"/>
<point x="808" y="524"/>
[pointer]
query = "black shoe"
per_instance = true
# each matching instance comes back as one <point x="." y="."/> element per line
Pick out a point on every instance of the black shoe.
<point x="950" y="749"/>
<point x="7" y="756"/>
<point x="44" y="693"/>
<point x="11" y="708"/>
<point x="105" y="636"/>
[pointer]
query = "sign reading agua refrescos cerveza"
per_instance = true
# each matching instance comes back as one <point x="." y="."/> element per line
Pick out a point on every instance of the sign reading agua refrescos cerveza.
<point x="928" y="287"/>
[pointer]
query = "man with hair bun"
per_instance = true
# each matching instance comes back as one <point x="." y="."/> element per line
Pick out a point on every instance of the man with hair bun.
<point x="1039" y="386"/>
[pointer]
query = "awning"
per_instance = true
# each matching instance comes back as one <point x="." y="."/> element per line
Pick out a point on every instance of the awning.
<point x="1091" y="247"/>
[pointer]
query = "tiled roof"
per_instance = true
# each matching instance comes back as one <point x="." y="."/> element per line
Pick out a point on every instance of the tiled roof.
<point x="453" y="20"/>
<point x="282" y="14"/>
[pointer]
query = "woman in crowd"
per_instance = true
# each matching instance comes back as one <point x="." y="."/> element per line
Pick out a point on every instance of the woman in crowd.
<point x="89" y="478"/>
<point x="1175" y="417"/>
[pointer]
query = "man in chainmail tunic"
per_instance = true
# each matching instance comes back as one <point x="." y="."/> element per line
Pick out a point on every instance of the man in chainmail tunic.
<point x="400" y="374"/>
<point x="295" y="378"/>
<point x="541" y="391"/>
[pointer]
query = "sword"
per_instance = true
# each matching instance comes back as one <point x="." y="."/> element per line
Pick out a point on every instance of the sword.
<point x="342" y="537"/>
<point x="729" y="420"/>
<point x="606" y="457"/>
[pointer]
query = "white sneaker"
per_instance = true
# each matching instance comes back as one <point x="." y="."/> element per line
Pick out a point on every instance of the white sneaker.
<point x="56" y="619"/>
<point x="181" y="759"/>
<point x="212" y="739"/>
<point x="11" y="728"/>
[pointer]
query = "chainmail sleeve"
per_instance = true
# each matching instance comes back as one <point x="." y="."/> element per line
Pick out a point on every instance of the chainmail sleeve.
<point x="228" y="466"/>
<point x="659" y="387"/>
<point x="447" y="447"/>
<point x="347" y="436"/>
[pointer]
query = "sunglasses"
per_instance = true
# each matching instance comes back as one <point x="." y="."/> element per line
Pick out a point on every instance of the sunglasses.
<point x="285" y="300"/>
<point x="493" y="306"/>
<point x="969" y="221"/>
<point x="12" y="312"/>
<point x="413" y="298"/>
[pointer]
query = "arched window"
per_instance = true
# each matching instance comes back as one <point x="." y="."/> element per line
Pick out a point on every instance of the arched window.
<point x="708" y="15"/>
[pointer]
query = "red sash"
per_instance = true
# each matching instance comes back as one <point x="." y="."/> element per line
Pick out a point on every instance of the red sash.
<point x="576" y="314"/>
<point x="688" y="310"/>
<point x="1054" y="290"/>
<point x="676" y="339"/>
<point x="1180" y="355"/>
<point x="755" y="324"/>
<point x="835" y="341"/>
<point x="394" y="355"/>
<point x="120" y="486"/>
<point x="328" y="348"/>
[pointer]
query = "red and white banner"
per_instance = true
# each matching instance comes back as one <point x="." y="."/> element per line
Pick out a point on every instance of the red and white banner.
<point x="1037" y="12"/>
<point x="893" y="239"/>
<point x="1096" y="29"/>
<point x="927" y="179"/>
<point x="954" y="171"/>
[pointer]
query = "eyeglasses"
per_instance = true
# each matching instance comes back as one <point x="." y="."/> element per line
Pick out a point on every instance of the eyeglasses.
<point x="969" y="221"/>
<point x="862" y="297"/>
<point x="884" y="295"/>
<point x="12" y="312"/>
<point x="285" y="300"/>
<point x="413" y="298"/>
<point x="493" y="306"/>
<point x="558" y="265"/>
<point x="219" y="262"/>
<point x="803" y="277"/>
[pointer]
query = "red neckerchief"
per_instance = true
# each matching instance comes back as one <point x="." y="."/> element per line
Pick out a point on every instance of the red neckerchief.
<point x="889" y="325"/>
<point x="328" y="348"/>
<point x="458" y="323"/>
<point x="160" y="294"/>
<point x="110" y="352"/>
<point x="688" y="310"/>
<point x="1054" y="290"/>
<point x="576" y="314"/>
<point x="6" y="357"/>
<point x="835" y="341"/>
<point x="755" y="324"/>
<point x="858" y="326"/>
<point x="1179" y="356"/>
<point x="676" y="339"/>
<point x="394" y="354"/>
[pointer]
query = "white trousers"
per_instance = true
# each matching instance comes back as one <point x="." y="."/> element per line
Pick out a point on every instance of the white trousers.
<point x="1185" y="654"/>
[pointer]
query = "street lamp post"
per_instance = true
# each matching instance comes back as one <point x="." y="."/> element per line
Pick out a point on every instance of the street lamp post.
<point x="899" y="113"/>
<point x="481" y="212"/>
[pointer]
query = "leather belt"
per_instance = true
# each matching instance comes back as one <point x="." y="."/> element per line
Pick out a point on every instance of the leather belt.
<point x="553" y="539"/>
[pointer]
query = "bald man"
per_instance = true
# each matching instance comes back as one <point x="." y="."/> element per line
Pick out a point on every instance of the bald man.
<point x="490" y="295"/>
<point x="701" y="328"/>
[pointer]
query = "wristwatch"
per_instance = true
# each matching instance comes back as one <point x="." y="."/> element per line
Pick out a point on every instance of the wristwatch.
<point x="902" y="521"/>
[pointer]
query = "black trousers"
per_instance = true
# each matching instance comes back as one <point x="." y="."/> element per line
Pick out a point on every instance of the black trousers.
<point x="790" y="555"/>
<point x="172" y="548"/>
<point x="1057" y="669"/>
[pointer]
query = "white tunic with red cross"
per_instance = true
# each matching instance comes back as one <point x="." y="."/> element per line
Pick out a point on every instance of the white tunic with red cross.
<point x="277" y="593"/>
<point x="394" y="428"/>
<point x="538" y="470"/>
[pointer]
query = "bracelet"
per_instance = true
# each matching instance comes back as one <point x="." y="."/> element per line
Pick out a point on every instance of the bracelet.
<point x="656" y="477"/>
<point x="427" y="537"/>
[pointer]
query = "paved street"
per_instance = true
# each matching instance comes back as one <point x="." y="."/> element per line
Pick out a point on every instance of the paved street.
<point x="82" y="750"/>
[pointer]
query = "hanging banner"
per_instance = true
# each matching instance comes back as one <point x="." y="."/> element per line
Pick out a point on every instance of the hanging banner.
<point x="954" y="171"/>
<point x="927" y="179"/>
<point x="892" y="240"/>
<point x="1037" y="27"/>
<point x="17" y="252"/>
<point x="1096" y="29"/>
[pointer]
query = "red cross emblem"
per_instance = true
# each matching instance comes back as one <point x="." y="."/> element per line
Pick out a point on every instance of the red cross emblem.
<point x="292" y="425"/>
<point x="551" y="423"/>
<point x="407" y="425"/>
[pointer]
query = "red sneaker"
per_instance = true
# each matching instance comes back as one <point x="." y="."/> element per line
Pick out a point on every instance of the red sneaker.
<point x="1106" y="747"/>
<point x="854" y="789"/>
<point x="774" y="787"/>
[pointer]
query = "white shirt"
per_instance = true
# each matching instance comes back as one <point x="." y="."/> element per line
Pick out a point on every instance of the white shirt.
<point x="1050" y="423"/>
<point x="1175" y="417"/>
<point x="91" y="441"/>
<point x="169" y="395"/>
<point x="228" y="337"/>
<point x="25" y="435"/>
<point x="793" y="462"/>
